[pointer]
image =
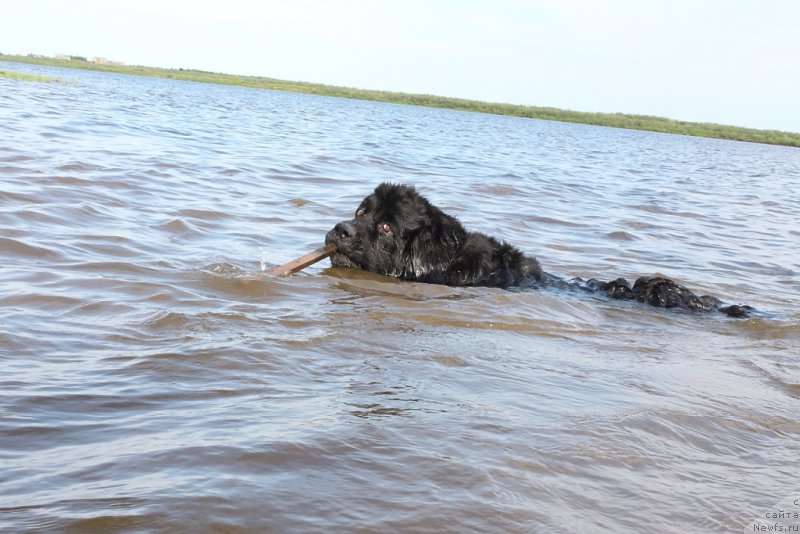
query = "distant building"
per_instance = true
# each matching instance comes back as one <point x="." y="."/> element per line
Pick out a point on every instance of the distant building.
<point x="62" y="56"/>
<point x="104" y="61"/>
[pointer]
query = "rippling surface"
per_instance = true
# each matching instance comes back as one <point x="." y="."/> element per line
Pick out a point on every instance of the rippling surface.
<point x="150" y="380"/>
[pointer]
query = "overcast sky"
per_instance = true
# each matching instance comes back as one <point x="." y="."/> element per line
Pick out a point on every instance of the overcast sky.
<point x="726" y="61"/>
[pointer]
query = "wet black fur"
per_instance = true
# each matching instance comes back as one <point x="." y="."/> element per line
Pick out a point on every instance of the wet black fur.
<point x="397" y="232"/>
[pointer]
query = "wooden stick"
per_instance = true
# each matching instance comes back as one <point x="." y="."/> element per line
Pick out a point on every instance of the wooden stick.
<point x="302" y="262"/>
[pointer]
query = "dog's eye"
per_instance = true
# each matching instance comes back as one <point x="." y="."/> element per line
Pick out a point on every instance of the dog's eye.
<point x="386" y="228"/>
<point x="360" y="212"/>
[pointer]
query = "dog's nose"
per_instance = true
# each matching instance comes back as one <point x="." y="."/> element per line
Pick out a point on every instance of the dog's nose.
<point x="344" y="230"/>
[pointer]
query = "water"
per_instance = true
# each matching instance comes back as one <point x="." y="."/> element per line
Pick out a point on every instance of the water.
<point x="150" y="382"/>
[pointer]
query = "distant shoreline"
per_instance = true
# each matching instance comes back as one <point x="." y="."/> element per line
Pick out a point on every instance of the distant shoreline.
<point x="614" y="120"/>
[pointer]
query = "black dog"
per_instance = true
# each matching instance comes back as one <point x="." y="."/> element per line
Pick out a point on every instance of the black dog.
<point x="397" y="232"/>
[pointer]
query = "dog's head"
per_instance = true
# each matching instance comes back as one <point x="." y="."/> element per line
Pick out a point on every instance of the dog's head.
<point x="396" y="232"/>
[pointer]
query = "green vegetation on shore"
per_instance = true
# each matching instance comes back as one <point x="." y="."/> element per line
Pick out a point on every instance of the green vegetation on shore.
<point x="614" y="120"/>
<point x="24" y="77"/>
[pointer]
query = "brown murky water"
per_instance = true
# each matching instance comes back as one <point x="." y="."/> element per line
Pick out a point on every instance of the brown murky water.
<point x="148" y="385"/>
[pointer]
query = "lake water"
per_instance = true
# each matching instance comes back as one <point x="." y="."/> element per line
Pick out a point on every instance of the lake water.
<point x="151" y="381"/>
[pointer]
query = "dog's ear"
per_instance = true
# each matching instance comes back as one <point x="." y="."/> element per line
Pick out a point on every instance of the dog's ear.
<point x="435" y="243"/>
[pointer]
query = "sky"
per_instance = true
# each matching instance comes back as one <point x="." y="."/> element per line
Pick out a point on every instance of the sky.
<point x="733" y="62"/>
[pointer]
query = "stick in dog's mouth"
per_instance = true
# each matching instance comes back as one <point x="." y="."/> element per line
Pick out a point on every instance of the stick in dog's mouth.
<point x="303" y="261"/>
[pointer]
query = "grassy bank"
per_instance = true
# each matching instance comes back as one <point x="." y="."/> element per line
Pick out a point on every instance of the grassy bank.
<point x="21" y="76"/>
<point x="615" y="120"/>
